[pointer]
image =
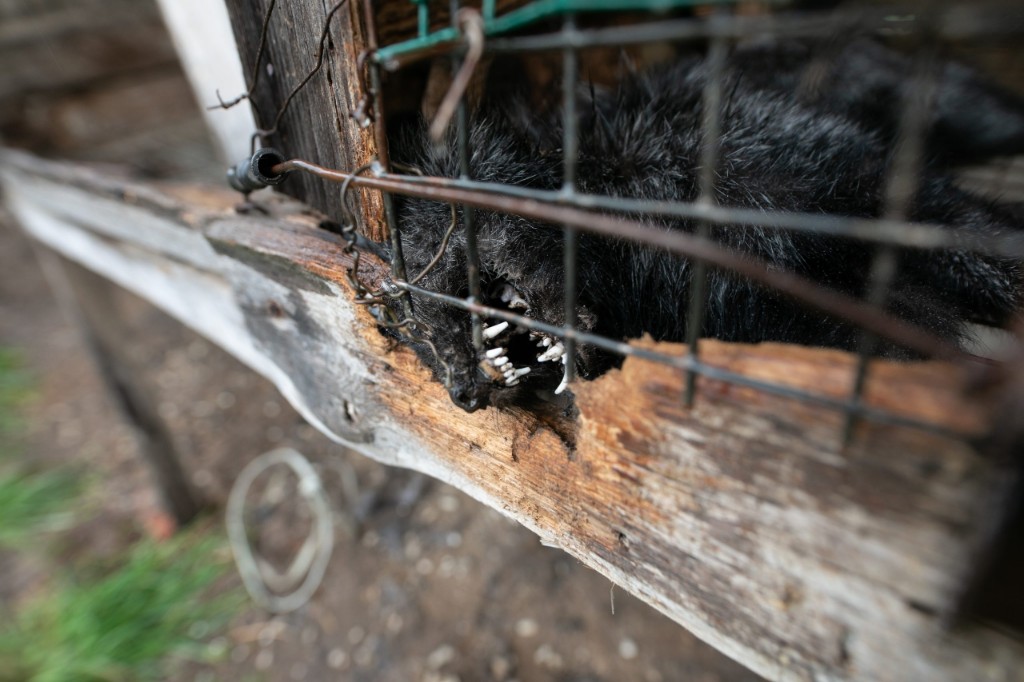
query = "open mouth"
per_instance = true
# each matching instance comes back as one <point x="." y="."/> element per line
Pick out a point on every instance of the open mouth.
<point x="511" y="352"/>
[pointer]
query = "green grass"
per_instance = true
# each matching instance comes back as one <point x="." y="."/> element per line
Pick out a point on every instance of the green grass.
<point x="131" y="623"/>
<point x="16" y="389"/>
<point x="31" y="500"/>
<point x="124" y="622"/>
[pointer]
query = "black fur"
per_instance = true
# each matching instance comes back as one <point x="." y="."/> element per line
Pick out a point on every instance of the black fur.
<point x="779" y="152"/>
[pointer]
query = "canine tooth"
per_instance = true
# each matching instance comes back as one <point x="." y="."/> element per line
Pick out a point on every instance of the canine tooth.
<point x="562" y="386"/>
<point x="552" y="353"/>
<point x="491" y="332"/>
<point x="495" y="353"/>
<point x="499" y="362"/>
<point x="522" y="371"/>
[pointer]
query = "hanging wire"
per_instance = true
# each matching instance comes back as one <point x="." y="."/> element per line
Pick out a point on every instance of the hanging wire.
<point x="307" y="569"/>
<point x="254" y="75"/>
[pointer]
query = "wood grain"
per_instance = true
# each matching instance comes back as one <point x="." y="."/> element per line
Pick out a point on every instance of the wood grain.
<point x="742" y="518"/>
<point x="318" y="125"/>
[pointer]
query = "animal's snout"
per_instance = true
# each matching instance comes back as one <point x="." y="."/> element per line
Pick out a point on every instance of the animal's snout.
<point x="469" y="395"/>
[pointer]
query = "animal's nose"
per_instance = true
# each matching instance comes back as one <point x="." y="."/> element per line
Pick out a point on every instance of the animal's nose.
<point x="467" y="396"/>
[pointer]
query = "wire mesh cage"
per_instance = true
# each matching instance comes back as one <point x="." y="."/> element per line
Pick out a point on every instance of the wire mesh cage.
<point x="751" y="171"/>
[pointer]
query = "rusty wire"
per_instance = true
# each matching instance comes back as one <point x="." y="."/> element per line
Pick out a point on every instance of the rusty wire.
<point x="254" y="77"/>
<point x="320" y="53"/>
<point x="577" y="212"/>
<point x="440" y="249"/>
<point x="692" y="246"/>
<point x="472" y="25"/>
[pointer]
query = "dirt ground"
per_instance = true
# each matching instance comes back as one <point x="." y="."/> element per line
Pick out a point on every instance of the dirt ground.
<point x="424" y="584"/>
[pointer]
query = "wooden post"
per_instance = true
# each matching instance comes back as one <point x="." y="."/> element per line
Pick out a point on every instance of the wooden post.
<point x="324" y="121"/>
<point x="87" y="299"/>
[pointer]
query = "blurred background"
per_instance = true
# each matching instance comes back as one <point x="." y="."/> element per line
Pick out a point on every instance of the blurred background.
<point x="96" y="581"/>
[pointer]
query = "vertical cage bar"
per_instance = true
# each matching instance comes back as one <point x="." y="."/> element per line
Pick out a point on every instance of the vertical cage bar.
<point x="570" y="150"/>
<point x="902" y="183"/>
<point x="383" y="157"/>
<point x="422" y="17"/>
<point x="711" y="125"/>
<point x="468" y="212"/>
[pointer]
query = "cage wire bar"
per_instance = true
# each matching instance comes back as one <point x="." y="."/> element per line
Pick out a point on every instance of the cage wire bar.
<point x="901" y="184"/>
<point x="957" y="22"/>
<point x="681" y="243"/>
<point x="383" y="158"/>
<point x="711" y="125"/>
<point x="574" y="210"/>
<point x="468" y="215"/>
<point x="570" y="149"/>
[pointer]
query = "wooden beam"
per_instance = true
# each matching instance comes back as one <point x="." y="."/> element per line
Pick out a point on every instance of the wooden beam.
<point x="743" y="518"/>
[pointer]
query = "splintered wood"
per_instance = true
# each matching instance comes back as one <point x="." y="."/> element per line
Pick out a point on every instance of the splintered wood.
<point x="742" y="518"/>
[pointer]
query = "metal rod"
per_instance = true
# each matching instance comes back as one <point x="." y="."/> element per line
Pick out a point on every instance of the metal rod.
<point x="878" y="230"/>
<point x="468" y="213"/>
<point x="570" y="152"/>
<point x="682" y="362"/>
<point x="806" y="291"/>
<point x="958" y="23"/>
<point x="381" y="138"/>
<point x="711" y="126"/>
<point x="901" y="187"/>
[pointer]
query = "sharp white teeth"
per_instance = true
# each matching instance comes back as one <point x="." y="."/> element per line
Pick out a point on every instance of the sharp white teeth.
<point x="500" y="362"/>
<point x="545" y="341"/>
<point x="562" y="386"/>
<point x="511" y="382"/>
<point x="507" y="367"/>
<point x="522" y="371"/>
<point x="491" y="332"/>
<point x="552" y="353"/>
<point x="495" y="353"/>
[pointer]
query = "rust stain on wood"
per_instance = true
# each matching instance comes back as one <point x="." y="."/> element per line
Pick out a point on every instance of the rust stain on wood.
<point x="741" y="517"/>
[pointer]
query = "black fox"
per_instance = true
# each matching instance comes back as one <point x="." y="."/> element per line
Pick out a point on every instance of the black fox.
<point x="784" y="147"/>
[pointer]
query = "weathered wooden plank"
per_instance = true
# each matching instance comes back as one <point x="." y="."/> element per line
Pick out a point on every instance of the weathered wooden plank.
<point x="742" y="519"/>
<point x="72" y="46"/>
<point x="98" y="79"/>
<point x="320" y="123"/>
<point x="202" y="35"/>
